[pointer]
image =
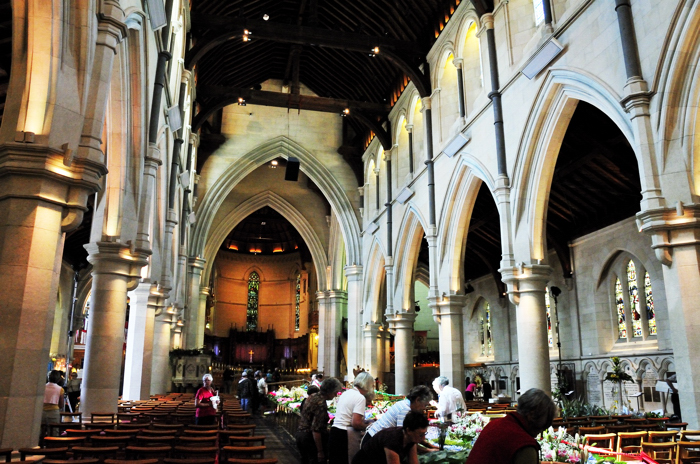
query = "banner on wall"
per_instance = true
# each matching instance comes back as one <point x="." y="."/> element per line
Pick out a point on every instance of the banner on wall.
<point x="421" y="339"/>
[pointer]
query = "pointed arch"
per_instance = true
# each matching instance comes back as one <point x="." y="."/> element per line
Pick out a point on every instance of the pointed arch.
<point x="539" y="146"/>
<point x="408" y="244"/>
<point x="375" y="275"/>
<point x="310" y="165"/>
<point x="282" y="206"/>
<point x="453" y="223"/>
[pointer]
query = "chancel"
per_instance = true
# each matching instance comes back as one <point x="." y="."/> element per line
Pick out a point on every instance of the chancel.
<point x="408" y="189"/>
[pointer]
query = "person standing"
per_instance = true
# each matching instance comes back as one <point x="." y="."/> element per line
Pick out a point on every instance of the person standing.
<point x="262" y="389"/>
<point x="312" y="434"/>
<point x="53" y="400"/>
<point x="486" y="391"/>
<point x="73" y="390"/>
<point x="469" y="392"/>
<point x="450" y="399"/>
<point x="205" y="406"/>
<point x="228" y="380"/>
<point x="245" y="392"/>
<point x="675" y="399"/>
<point x="350" y="419"/>
<point x="511" y="440"/>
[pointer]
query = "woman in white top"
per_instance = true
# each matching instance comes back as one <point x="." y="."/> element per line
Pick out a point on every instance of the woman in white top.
<point x="350" y="418"/>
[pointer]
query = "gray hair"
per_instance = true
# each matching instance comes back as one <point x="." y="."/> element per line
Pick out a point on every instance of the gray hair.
<point x="442" y="380"/>
<point x="420" y="393"/>
<point x="330" y="385"/>
<point x="207" y="376"/>
<point x="364" y="381"/>
<point x="538" y="408"/>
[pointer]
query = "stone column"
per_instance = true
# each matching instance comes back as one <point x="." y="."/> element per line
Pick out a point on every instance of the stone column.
<point x="354" y="303"/>
<point x="676" y="239"/>
<point x="202" y="308"/>
<point x="162" y="373"/>
<point x="323" y="361"/>
<point x="402" y="325"/>
<point x="194" y="324"/>
<point x="337" y="301"/>
<point x="526" y="288"/>
<point x="449" y="312"/>
<point x="139" y="343"/>
<point x="373" y="342"/>
<point x="115" y="270"/>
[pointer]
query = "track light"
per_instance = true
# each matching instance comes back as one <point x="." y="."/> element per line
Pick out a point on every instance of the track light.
<point x="345" y="112"/>
<point x="241" y="101"/>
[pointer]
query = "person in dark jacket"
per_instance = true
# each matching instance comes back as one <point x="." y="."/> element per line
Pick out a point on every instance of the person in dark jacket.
<point x="511" y="440"/>
<point x="246" y="392"/>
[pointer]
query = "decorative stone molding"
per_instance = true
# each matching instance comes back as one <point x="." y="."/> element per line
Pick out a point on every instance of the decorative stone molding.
<point x="525" y="278"/>
<point x="671" y="227"/>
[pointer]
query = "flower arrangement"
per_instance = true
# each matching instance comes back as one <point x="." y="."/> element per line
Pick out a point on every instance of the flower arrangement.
<point x="618" y="373"/>
<point x="466" y="427"/>
<point x="559" y="446"/>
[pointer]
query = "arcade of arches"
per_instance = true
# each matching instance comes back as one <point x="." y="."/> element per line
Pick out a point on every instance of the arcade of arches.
<point x="458" y="187"/>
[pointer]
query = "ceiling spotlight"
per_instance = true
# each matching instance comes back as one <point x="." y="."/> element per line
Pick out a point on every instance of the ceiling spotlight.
<point x="241" y="101"/>
<point x="246" y="35"/>
<point x="345" y="112"/>
<point x="273" y="164"/>
<point x="375" y="50"/>
<point x="266" y="17"/>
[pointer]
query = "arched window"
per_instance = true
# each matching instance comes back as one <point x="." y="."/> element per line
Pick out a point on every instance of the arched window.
<point x="651" y="315"/>
<point x="253" y="292"/>
<point x="634" y="299"/>
<point x="550" y="337"/>
<point x="296" y="303"/>
<point x="620" y="305"/>
<point x="485" y="330"/>
<point x="539" y="11"/>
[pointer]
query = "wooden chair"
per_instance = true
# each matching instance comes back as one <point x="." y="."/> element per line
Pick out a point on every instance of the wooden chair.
<point x="203" y="427"/>
<point x="250" y="428"/>
<point x="7" y="452"/>
<point x="245" y="452"/>
<point x="646" y="427"/>
<point x="60" y="442"/>
<point x="689" y="435"/>
<point x="50" y="453"/>
<point x="70" y="461"/>
<point x="178" y="428"/>
<point x="630" y="442"/>
<point x="688" y="452"/>
<point x="247" y="441"/>
<point x="121" y="432"/>
<point x="147" y="452"/>
<point x="251" y="461"/>
<point x="657" y="436"/>
<point x="185" y="418"/>
<point x="189" y="461"/>
<point x="634" y="421"/>
<point x="108" y="417"/>
<point x="195" y="451"/>
<point x="661" y="452"/>
<point x="618" y="428"/>
<point x="71" y="416"/>
<point x="676" y="425"/>
<point x="591" y="430"/>
<point x="81" y="433"/>
<point x="125" y="461"/>
<point x="135" y="426"/>
<point x="157" y="440"/>
<point x="99" y="452"/>
<point x="197" y="441"/>
<point x="604" y="441"/>
<point x="158" y="433"/>
<point x="103" y="441"/>
<point x="200" y="433"/>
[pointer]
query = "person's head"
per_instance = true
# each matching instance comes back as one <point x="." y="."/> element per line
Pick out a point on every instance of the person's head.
<point x="55" y="377"/>
<point x="73" y="375"/>
<point x="207" y="379"/>
<point x="313" y="376"/>
<point x="419" y="397"/>
<point x="415" y="426"/>
<point x="330" y="387"/>
<point x="312" y="389"/>
<point x="244" y="374"/>
<point x="440" y="382"/>
<point x="258" y="374"/>
<point x="364" y="382"/>
<point x="538" y="409"/>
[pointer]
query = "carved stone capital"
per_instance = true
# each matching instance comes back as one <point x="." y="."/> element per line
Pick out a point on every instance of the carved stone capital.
<point x="670" y="228"/>
<point x="525" y="278"/>
<point x="116" y="258"/>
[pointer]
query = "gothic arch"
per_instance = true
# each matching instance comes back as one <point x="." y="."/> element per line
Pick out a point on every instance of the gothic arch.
<point x="539" y="146"/>
<point x="374" y="276"/>
<point x="469" y="18"/>
<point x="279" y="204"/>
<point x="453" y="224"/>
<point x="310" y="165"/>
<point x="408" y="244"/>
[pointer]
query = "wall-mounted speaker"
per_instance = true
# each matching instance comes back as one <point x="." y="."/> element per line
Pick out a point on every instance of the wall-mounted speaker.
<point x="292" y="171"/>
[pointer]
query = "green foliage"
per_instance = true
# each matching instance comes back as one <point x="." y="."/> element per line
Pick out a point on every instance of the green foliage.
<point x="179" y="352"/>
<point x="579" y="408"/>
<point x="444" y="457"/>
<point x="618" y="373"/>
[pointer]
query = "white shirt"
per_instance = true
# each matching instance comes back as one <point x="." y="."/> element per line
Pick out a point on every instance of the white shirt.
<point x="351" y="402"/>
<point x="262" y="386"/>
<point x="450" y="401"/>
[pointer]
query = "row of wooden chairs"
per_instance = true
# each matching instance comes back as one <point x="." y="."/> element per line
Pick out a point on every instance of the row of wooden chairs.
<point x="668" y="446"/>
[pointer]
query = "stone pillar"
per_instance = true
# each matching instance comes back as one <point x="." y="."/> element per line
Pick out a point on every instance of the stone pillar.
<point x="162" y="373"/>
<point x="676" y="240"/>
<point x="202" y="308"/>
<point x="526" y="288"/>
<point x="337" y="301"/>
<point x="323" y="361"/>
<point x="150" y="170"/>
<point x="354" y="302"/>
<point x="402" y="325"/>
<point x="373" y="342"/>
<point x="115" y="270"/>
<point x="194" y="324"/>
<point x="449" y="312"/>
<point x="139" y="343"/>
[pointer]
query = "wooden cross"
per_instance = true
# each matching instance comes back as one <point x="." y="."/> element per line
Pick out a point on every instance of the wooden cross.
<point x="251" y="355"/>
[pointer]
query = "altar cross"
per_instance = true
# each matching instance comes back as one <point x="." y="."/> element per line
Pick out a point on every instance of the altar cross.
<point x="251" y="352"/>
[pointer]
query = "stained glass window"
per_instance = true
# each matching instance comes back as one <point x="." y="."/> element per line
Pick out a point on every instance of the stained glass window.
<point x="485" y="330"/>
<point x="634" y="299"/>
<point x="651" y="315"/>
<point x="550" y="339"/>
<point x="253" y="291"/>
<point x="296" y="303"/>
<point x="620" y="304"/>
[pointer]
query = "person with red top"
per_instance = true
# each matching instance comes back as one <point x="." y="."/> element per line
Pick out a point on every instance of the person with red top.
<point x="205" y="412"/>
<point x="511" y="440"/>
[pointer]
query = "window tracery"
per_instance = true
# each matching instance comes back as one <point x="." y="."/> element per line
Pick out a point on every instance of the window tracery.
<point x="550" y="338"/>
<point x="620" y="305"/>
<point x="252" y="310"/>
<point x="649" y="298"/>
<point x="634" y="299"/>
<point x="296" y="303"/>
<point x="485" y="330"/>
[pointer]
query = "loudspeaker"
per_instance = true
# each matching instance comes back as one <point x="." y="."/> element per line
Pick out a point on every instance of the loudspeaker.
<point x="292" y="171"/>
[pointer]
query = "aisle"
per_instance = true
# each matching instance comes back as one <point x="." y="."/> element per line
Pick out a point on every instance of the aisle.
<point x="279" y="443"/>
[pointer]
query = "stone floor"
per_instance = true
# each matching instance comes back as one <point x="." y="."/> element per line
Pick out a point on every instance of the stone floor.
<point x="280" y="444"/>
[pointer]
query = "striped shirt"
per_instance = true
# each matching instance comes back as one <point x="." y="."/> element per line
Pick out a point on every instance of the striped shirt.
<point x="393" y="417"/>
